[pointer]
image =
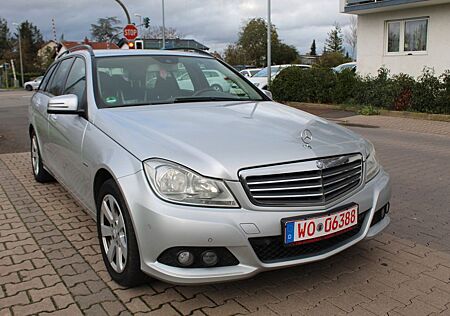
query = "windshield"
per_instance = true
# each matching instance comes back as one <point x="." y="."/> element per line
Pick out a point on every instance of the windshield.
<point x="263" y="73"/>
<point x="143" y="80"/>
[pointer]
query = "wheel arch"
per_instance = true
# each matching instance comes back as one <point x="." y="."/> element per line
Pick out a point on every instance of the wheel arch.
<point x="101" y="176"/>
<point x="31" y="130"/>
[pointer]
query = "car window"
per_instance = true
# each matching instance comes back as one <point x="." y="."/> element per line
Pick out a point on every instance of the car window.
<point x="141" y="80"/>
<point x="58" y="80"/>
<point x="47" y="77"/>
<point x="263" y="72"/>
<point x="76" y="80"/>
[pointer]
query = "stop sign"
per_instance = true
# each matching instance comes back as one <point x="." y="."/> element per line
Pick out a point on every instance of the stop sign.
<point x="130" y="32"/>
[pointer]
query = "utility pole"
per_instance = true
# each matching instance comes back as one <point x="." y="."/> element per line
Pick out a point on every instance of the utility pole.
<point x="269" y="44"/>
<point x="163" y="26"/>
<point x="20" y="52"/>
<point x="16" y="82"/>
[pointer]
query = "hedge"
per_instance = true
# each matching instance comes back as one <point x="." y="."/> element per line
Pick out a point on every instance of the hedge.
<point x="428" y="93"/>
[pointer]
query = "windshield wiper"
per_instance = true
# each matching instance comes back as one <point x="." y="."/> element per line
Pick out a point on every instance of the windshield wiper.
<point x="204" y="99"/>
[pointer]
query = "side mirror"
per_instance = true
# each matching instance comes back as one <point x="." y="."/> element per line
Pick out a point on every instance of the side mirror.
<point x="64" y="104"/>
<point x="268" y="93"/>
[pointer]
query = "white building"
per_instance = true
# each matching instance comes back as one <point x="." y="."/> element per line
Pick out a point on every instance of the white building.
<point x="402" y="35"/>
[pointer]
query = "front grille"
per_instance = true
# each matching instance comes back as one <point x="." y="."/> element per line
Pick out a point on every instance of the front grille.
<point x="318" y="183"/>
<point x="272" y="249"/>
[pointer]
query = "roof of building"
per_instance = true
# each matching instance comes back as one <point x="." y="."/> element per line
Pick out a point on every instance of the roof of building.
<point x="94" y="45"/>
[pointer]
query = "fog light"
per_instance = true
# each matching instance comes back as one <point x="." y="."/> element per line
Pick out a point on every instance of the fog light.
<point x="185" y="258"/>
<point x="388" y="207"/>
<point x="210" y="258"/>
<point x="383" y="212"/>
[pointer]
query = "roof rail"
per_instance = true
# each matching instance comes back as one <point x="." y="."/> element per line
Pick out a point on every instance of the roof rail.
<point x="78" y="47"/>
<point x="197" y="50"/>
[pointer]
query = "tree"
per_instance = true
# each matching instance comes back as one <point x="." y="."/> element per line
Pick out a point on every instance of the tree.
<point x="284" y="54"/>
<point x="313" y="51"/>
<point x="332" y="59"/>
<point x="5" y="39"/>
<point x="335" y="40"/>
<point x="105" y="28"/>
<point x="157" y="32"/>
<point x="234" y="55"/>
<point x="351" y="35"/>
<point x="253" y="41"/>
<point x="31" y="42"/>
<point x="251" y="47"/>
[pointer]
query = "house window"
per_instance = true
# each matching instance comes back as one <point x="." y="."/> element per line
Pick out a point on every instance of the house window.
<point x="416" y="35"/>
<point x="407" y="36"/>
<point x="393" y="37"/>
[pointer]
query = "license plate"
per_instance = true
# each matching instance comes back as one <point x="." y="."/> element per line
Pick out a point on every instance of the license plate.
<point x="305" y="230"/>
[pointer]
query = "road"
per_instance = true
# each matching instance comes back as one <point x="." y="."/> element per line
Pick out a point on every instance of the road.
<point x="50" y="260"/>
<point x="13" y="121"/>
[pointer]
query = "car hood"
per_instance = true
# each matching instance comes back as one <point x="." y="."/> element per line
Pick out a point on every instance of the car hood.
<point x="217" y="139"/>
<point x="260" y="81"/>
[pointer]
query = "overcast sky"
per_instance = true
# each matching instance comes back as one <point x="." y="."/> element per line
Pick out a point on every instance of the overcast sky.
<point x="215" y="23"/>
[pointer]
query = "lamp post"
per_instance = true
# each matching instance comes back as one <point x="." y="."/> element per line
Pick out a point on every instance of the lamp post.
<point x="163" y="26"/>
<point x="20" y="52"/>
<point x="269" y="44"/>
<point x="140" y="23"/>
<point x="125" y="10"/>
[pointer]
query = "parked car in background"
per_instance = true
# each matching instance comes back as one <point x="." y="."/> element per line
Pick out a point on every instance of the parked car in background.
<point x="250" y="72"/>
<point x="198" y="185"/>
<point x="350" y="66"/>
<point x="33" y="84"/>
<point x="215" y="79"/>
<point x="260" y="79"/>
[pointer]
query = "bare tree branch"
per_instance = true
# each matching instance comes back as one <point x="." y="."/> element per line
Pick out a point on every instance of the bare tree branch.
<point x="157" y="31"/>
<point x="351" y="34"/>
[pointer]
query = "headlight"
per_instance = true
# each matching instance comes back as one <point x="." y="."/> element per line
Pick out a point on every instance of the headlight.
<point x="372" y="165"/>
<point x="175" y="183"/>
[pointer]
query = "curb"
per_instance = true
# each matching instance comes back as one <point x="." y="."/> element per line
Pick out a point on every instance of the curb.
<point x="404" y="114"/>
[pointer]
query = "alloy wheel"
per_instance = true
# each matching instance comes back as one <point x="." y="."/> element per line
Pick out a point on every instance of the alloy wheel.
<point x="113" y="233"/>
<point x="35" y="155"/>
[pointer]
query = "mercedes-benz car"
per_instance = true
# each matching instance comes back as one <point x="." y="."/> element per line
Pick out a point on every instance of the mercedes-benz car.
<point x="193" y="185"/>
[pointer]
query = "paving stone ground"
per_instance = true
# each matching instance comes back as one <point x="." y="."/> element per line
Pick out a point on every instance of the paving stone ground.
<point x="50" y="260"/>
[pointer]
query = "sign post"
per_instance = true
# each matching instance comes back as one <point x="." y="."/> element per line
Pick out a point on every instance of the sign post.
<point x="130" y="32"/>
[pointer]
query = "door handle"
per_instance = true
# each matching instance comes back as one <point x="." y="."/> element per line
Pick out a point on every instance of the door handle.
<point x="53" y="117"/>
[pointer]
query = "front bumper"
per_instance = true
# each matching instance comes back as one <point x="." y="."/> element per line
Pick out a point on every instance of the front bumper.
<point x="160" y="225"/>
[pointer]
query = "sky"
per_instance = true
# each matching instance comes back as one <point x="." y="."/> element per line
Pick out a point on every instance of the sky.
<point x="214" y="23"/>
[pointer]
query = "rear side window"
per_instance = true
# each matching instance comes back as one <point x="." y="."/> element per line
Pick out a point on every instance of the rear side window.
<point x="76" y="81"/>
<point x="46" y="77"/>
<point x="58" y="80"/>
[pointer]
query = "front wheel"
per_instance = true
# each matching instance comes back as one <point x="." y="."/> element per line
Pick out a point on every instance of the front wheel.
<point x="40" y="174"/>
<point x="117" y="238"/>
<point x="217" y="88"/>
<point x="28" y="87"/>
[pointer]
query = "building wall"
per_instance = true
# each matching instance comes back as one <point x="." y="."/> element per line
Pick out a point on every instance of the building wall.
<point x="372" y="38"/>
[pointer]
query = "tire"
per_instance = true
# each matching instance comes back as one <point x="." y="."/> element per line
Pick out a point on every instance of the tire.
<point x="217" y="87"/>
<point x="40" y="174"/>
<point x="28" y="87"/>
<point x="116" y="235"/>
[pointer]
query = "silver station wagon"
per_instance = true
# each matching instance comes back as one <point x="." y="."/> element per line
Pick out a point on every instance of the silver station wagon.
<point x="192" y="184"/>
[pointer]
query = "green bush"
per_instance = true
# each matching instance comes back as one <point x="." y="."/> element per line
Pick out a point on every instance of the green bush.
<point x="347" y="83"/>
<point x="429" y="93"/>
<point x="304" y="85"/>
<point x="426" y="92"/>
